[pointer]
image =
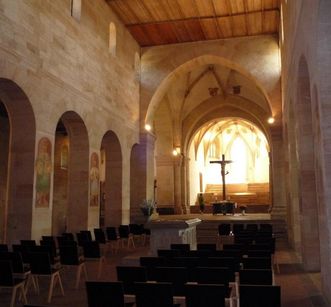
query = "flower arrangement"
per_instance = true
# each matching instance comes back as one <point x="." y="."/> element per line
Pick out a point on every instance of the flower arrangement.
<point x="147" y="207"/>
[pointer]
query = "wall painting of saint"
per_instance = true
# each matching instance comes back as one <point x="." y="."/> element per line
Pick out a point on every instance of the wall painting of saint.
<point x="43" y="172"/>
<point x="94" y="180"/>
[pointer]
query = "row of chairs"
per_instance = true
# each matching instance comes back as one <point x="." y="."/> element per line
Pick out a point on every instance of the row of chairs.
<point x="225" y="229"/>
<point x="161" y="294"/>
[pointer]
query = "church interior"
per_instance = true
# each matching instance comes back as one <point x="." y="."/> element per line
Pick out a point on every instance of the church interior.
<point x="109" y="107"/>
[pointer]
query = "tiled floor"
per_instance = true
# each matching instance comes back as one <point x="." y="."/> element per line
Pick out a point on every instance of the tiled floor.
<point x="298" y="288"/>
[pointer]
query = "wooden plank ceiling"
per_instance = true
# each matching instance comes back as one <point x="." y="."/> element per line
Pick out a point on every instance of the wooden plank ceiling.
<point x="159" y="22"/>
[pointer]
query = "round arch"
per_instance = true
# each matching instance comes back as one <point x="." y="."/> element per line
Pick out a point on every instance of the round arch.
<point x="71" y="176"/>
<point x="20" y="166"/>
<point x="112" y="186"/>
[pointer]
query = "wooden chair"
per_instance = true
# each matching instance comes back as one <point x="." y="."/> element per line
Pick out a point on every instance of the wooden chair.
<point x="69" y="257"/>
<point x="7" y="281"/>
<point x="41" y="266"/>
<point x="260" y="296"/>
<point x="197" y="295"/>
<point x="159" y="294"/>
<point x="104" y="294"/>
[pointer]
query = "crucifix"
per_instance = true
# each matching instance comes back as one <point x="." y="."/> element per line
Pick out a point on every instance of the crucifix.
<point x="223" y="163"/>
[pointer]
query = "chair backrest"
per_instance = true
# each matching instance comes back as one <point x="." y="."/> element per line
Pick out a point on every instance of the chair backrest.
<point x="257" y="263"/>
<point x="69" y="255"/>
<point x="222" y="262"/>
<point x="3" y="248"/>
<point x="69" y="236"/>
<point x="82" y="238"/>
<point x="16" y="260"/>
<point x="152" y="261"/>
<point x="178" y="276"/>
<point x="40" y="263"/>
<point x="64" y="240"/>
<point x="237" y="228"/>
<point x="180" y="246"/>
<point x="51" y="244"/>
<point x="28" y="242"/>
<point x="198" y="253"/>
<point x="224" y="229"/>
<point x="6" y="273"/>
<point x="91" y="249"/>
<point x="215" y="275"/>
<point x="87" y="234"/>
<point x="130" y="274"/>
<point x="260" y="296"/>
<point x="252" y="227"/>
<point x="255" y="277"/>
<point x="206" y="246"/>
<point x="197" y="295"/>
<point x="158" y="294"/>
<point x="167" y="253"/>
<point x="266" y="227"/>
<point x="48" y="238"/>
<point x="99" y="235"/>
<point x="44" y="249"/>
<point x="104" y="294"/>
<point x="136" y="229"/>
<point x="111" y="233"/>
<point x="23" y="250"/>
<point x="124" y="231"/>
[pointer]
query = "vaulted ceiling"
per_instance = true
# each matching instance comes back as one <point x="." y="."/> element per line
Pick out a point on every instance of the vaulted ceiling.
<point x="159" y="22"/>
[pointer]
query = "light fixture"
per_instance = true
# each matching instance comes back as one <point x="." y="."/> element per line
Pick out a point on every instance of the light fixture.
<point x="176" y="151"/>
<point x="271" y="120"/>
<point x="148" y="127"/>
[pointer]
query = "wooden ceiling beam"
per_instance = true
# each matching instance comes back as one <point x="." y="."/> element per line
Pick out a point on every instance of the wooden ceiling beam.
<point x="218" y="28"/>
<point x="197" y="18"/>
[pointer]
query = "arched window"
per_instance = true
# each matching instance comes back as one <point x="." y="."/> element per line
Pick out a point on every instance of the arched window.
<point x="76" y="9"/>
<point x="112" y="39"/>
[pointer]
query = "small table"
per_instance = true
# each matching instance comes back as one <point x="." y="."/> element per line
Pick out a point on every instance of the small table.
<point x="224" y="207"/>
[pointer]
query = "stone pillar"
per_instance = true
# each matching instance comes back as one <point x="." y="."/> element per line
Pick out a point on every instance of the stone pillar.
<point x="278" y="183"/>
<point x="142" y="175"/>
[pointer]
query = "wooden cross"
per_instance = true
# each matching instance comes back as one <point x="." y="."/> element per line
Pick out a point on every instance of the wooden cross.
<point x="223" y="163"/>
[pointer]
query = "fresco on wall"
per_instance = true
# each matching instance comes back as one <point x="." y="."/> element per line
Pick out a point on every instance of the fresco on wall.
<point x="94" y="180"/>
<point x="43" y="173"/>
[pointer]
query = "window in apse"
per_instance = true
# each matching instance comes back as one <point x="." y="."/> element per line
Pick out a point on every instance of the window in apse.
<point x="238" y="170"/>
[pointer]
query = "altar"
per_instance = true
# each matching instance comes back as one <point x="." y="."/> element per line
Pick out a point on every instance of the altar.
<point x="224" y="207"/>
<point x="167" y="232"/>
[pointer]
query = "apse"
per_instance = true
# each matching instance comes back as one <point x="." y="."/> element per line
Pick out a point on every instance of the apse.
<point x="246" y="148"/>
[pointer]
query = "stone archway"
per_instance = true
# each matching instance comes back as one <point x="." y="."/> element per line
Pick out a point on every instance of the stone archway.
<point x="71" y="175"/>
<point x="112" y="186"/>
<point x="310" y="243"/>
<point x="19" y="169"/>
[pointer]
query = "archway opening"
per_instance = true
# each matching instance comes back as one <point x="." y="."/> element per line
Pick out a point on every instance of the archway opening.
<point x="247" y="179"/>
<point x="71" y="175"/>
<point x="18" y="129"/>
<point x="111" y="184"/>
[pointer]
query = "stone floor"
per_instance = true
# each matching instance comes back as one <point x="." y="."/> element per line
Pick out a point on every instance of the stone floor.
<point x="298" y="288"/>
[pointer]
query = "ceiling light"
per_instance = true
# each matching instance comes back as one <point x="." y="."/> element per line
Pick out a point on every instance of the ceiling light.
<point x="271" y="120"/>
<point x="148" y="127"/>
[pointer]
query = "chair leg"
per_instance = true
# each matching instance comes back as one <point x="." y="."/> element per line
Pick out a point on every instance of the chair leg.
<point x="79" y="272"/>
<point x="60" y="283"/>
<point x="13" y="297"/>
<point x="100" y="265"/>
<point x="51" y="287"/>
<point x="22" y="294"/>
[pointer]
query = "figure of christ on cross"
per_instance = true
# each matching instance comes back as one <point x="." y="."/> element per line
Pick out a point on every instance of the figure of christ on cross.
<point x="223" y="163"/>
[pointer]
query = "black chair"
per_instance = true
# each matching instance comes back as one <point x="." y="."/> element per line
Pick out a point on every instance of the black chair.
<point x="252" y="227"/>
<point x="45" y="249"/>
<point x="99" y="236"/>
<point x="24" y="250"/>
<point x="256" y="263"/>
<point x="206" y="246"/>
<point x="113" y="238"/>
<point x="7" y="281"/>
<point x="47" y="238"/>
<point x="237" y="228"/>
<point x="256" y="277"/>
<point x="69" y="257"/>
<point x="202" y="253"/>
<point x="51" y="244"/>
<point x="211" y="295"/>
<point x="138" y="232"/>
<point x="151" y="262"/>
<point x="28" y="242"/>
<point x="129" y="275"/>
<point x="260" y="296"/>
<point x="65" y="240"/>
<point x="180" y="246"/>
<point x="3" y="248"/>
<point x="125" y="236"/>
<point x="224" y="229"/>
<point x="178" y="276"/>
<point x="266" y="228"/>
<point x="40" y="265"/>
<point x="82" y="238"/>
<point x="104" y="294"/>
<point x="222" y="262"/>
<point x="167" y="253"/>
<point x="91" y="251"/>
<point x="87" y="234"/>
<point x="19" y="270"/>
<point x="158" y="294"/>
<point x="69" y="236"/>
